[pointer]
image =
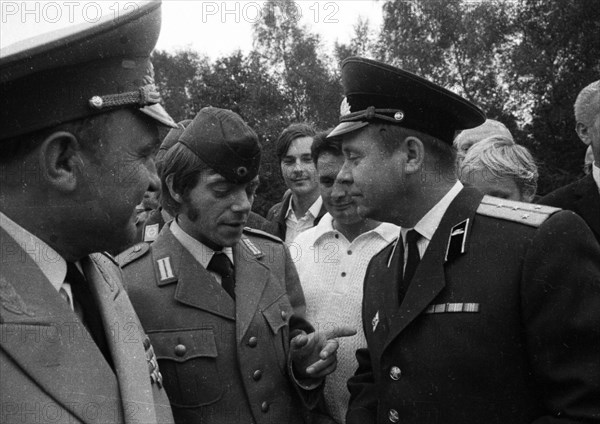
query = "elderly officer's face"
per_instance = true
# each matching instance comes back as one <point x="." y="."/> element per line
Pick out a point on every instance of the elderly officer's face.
<point x="116" y="178"/>
<point x="217" y="209"/>
<point x="377" y="175"/>
<point x="298" y="169"/>
<point x="335" y="190"/>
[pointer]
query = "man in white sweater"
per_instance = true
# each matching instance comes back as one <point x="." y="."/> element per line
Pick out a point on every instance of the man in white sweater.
<point x="332" y="259"/>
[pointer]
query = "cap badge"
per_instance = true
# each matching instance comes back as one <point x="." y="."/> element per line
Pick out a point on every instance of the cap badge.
<point x="399" y="116"/>
<point x="242" y="171"/>
<point x="344" y="107"/>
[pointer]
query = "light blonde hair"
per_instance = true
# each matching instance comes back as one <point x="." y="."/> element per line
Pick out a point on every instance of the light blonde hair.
<point x="502" y="157"/>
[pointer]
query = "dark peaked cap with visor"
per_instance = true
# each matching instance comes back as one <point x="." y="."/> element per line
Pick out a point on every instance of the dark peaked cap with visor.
<point x="223" y="141"/>
<point x="376" y="92"/>
<point x="81" y="71"/>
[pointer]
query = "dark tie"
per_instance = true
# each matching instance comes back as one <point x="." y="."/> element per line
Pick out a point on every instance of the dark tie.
<point x="87" y="309"/>
<point x="412" y="262"/>
<point x="221" y="264"/>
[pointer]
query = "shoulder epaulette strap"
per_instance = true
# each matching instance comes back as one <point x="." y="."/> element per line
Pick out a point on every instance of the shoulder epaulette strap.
<point x="133" y="253"/>
<point x="525" y="213"/>
<point x="261" y="233"/>
<point x="111" y="257"/>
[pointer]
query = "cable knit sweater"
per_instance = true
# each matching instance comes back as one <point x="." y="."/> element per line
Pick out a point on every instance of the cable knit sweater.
<point x="332" y="271"/>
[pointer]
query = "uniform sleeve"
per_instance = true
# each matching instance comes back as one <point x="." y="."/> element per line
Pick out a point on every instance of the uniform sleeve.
<point x="561" y="313"/>
<point x="363" y="397"/>
<point x="298" y="320"/>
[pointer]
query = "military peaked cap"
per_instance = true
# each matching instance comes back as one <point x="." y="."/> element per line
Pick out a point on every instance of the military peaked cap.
<point x="376" y="92"/>
<point x="222" y="140"/>
<point x="173" y="135"/>
<point x="81" y="71"/>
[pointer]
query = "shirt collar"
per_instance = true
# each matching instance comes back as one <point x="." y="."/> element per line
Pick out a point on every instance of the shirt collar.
<point x="314" y="209"/>
<point x="202" y="253"/>
<point x="596" y="174"/>
<point x="431" y="220"/>
<point x="52" y="265"/>
<point x="388" y="232"/>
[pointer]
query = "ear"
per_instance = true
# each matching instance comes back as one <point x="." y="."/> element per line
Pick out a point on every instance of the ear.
<point x="60" y="160"/>
<point x="415" y="154"/>
<point x="174" y="195"/>
<point x="582" y="131"/>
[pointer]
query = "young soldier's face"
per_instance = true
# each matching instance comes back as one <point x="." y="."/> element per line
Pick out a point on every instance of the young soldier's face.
<point x="217" y="209"/>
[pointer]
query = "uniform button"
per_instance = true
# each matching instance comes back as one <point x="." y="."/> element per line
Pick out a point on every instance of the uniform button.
<point x="393" y="416"/>
<point x="180" y="350"/>
<point x="257" y="375"/>
<point x="349" y="252"/>
<point x="284" y="315"/>
<point x="395" y="373"/>
<point x="137" y="248"/>
<point x="264" y="407"/>
<point x="343" y="274"/>
<point x="252" y="341"/>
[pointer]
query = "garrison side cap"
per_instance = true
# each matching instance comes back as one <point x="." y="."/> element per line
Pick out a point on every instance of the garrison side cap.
<point x="172" y="136"/>
<point x="222" y="140"/>
<point x="80" y="71"/>
<point x="376" y="92"/>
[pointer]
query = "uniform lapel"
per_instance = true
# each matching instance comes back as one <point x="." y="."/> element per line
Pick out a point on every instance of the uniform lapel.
<point x="47" y="340"/>
<point x="125" y="339"/>
<point x="251" y="277"/>
<point x="429" y="279"/>
<point x="196" y="287"/>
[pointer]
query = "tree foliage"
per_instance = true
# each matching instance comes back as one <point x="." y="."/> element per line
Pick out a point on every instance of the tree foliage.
<point x="522" y="61"/>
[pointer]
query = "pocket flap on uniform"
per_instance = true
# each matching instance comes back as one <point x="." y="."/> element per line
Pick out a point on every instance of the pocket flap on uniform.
<point x="278" y="313"/>
<point x="182" y="345"/>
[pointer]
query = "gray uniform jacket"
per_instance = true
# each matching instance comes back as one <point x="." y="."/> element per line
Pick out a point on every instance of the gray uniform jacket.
<point x="223" y="361"/>
<point x="51" y="371"/>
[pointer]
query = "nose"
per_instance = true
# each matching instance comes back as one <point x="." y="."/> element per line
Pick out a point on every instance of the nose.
<point x="154" y="184"/>
<point x="242" y="202"/>
<point x="344" y="176"/>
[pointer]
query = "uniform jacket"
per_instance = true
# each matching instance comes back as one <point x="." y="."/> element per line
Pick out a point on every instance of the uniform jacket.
<point x="223" y="361"/>
<point x="51" y="371"/>
<point x="278" y="211"/>
<point x="499" y="325"/>
<point x="581" y="197"/>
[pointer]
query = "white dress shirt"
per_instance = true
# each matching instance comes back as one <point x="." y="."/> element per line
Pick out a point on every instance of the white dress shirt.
<point x="295" y="226"/>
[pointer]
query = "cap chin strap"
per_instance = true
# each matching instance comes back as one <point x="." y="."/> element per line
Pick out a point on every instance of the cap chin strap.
<point x="145" y="96"/>
<point x="371" y="113"/>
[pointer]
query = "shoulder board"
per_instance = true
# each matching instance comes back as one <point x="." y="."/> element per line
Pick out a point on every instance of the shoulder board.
<point x="111" y="257"/>
<point x="134" y="252"/>
<point x="260" y="233"/>
<point x="529" y="214"/>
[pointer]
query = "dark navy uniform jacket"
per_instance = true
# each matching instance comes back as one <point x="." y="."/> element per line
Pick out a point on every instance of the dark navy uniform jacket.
<point x="222" y="361"/>
<point x="581" y="197"/>
<point x="501" y="323"/>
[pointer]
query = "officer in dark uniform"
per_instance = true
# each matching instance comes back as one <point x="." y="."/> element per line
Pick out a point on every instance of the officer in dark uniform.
<point x="80" y="115"/>
<point x="220" y="302"/>
<point x="485" y="310"/>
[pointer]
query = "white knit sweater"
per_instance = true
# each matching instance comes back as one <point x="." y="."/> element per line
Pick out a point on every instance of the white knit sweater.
<point x="332" y="271"/>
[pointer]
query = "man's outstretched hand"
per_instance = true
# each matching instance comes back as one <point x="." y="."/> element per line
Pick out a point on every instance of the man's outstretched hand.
<point x="314" y="355"/>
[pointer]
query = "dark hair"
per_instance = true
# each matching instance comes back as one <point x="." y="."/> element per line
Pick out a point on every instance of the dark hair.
<point x="322" y="144"/>
<point x="186" y="169"/>
<point x="291" y="133"/>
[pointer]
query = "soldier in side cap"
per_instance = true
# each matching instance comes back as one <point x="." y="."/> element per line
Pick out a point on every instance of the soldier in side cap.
<point x="150" y="222"/>
<point x="79" y="122"/>
<point x="222" y="303"/>
<point x="485" y="310"/>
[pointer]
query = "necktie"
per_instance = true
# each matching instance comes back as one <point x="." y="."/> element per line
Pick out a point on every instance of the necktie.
<point x="86" y="308"/>
<point x="412" y="262"/>
<point x="221" y="264"/>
